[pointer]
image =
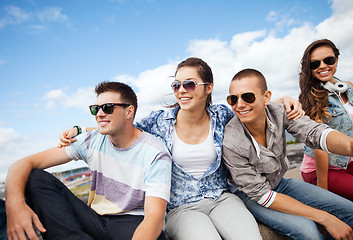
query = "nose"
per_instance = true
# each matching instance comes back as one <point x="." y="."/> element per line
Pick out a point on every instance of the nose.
<point x="240" y="103"/>
<point x="181" y="88"/>
<point x="100" y="112"/>
<point x="322" y="64"/>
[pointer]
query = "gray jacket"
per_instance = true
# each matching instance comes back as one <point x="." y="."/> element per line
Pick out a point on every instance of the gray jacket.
<point x="258" y="172"/>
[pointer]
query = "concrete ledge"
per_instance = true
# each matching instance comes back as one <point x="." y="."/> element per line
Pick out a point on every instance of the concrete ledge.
<point x="269" y="234"/>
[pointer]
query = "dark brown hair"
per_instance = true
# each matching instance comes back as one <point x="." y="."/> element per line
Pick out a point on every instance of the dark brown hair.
<point x="203" y="70"/>
<point x="313" y="97"/>
<point x="127" y="95"/>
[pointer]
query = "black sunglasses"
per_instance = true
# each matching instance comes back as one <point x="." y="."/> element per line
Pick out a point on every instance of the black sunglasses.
<point x="329" y="61"/>
<point x="248" y="97"/>
<point x="188" y="85"/>
<point x="107" y="108"/>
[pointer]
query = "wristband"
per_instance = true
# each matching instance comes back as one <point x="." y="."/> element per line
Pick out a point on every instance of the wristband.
<point x="79" y="130"/>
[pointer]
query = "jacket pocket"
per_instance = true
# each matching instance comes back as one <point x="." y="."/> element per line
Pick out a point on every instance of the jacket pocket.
<point x="267" y="164"/>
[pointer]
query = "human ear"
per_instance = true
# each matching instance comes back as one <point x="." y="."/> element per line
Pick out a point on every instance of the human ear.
<point x="267" y="97"/>
<point x="130" y="112"/>
<point x="209" y="88"/>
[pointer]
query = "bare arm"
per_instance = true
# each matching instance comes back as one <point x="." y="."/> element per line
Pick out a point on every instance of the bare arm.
<point x="20" y="216"/>
<point x="321" y="162"/>
<point x="152" y="224"/>
<point x="339" y="143"/>
<point x="337" y="228"/>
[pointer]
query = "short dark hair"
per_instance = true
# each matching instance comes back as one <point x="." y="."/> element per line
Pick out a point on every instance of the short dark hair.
<point x="249" y="72"/>
<point x="127" y="95"/>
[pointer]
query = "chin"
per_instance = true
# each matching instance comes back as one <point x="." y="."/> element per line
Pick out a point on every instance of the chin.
<point x="103" y="132"/>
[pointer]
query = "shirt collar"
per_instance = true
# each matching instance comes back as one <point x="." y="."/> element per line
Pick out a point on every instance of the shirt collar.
<point x="269" y="125"/>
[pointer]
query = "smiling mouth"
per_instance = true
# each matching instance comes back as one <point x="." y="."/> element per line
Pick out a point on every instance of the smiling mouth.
<point x="324" y="73"/>
<point x="184" y="98"/>
<point x="103" y="123"/>
<point x="244" y="112"/>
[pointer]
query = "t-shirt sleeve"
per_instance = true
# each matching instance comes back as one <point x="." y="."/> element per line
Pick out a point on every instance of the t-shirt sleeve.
<point x="158" y="177"/>
<point x="78" y="150"/>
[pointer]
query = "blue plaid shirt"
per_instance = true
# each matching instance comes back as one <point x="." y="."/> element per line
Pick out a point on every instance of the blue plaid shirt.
<point x="185" y="188"/>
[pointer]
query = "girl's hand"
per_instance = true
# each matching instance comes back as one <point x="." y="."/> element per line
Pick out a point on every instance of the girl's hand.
<point x="67" y="137"/>
<point x="293" y="107"/>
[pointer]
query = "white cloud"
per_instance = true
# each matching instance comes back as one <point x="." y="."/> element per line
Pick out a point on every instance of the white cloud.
<point x="9" y="138"/>
<point x="151" y="86"/>
<point x="16" y="15"/>
<point x="79" y="99"/>
<point x="271" y="16"/>
<point x="37" y="28"/>
<point x="52" y="14"/>
<point x="278" y="58"/>
<point x="341" y="8"/>
<point x="13" y="147"/>
<point x="10" y="146"/>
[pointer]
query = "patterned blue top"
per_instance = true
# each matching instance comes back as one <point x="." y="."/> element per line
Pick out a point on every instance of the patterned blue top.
<point x="341" y="121"/>
<point x="185" y="188"/>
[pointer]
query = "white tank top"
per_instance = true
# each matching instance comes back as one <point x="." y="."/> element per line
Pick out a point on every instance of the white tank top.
<point x="194" y="158"/>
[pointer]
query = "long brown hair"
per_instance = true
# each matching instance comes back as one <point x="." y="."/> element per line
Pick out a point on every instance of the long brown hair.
<point x="313" y="97"/>
<point x="204" y="72"/>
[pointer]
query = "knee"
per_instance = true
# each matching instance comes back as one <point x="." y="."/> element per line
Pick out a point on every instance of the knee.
<point x="308" y="231"/>
<point x="38" y="179"/>
<point x="36" y="176"/>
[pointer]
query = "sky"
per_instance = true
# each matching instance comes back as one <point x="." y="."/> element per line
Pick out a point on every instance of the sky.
<point x="53" y="53"/>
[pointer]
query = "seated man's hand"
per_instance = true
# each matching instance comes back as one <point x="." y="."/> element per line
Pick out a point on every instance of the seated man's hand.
<point x="337" y="228"/>
<point x="67" y="137"/>
<point x="20" y="221"/>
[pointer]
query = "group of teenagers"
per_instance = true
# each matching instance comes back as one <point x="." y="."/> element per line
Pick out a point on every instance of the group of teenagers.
<point x="198" y="170"/>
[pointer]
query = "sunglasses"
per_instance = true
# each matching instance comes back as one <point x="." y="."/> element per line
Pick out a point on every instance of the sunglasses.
<point x="188" y="85"/>
<point x="248" y="97"/>
<point x="329" y="61"/>
<point x="107" y="108"/>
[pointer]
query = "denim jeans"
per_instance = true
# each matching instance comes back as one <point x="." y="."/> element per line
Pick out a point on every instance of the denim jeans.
<point x="296" y="227"/>
<point x="2" y="220"/>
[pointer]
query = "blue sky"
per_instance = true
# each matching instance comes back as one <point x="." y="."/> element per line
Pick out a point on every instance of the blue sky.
<point x="52" y="54"/>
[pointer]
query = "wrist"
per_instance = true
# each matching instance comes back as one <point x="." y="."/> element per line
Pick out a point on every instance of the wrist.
<point x="322" y="218"/>
<point x="14" y="201"/>
<point x="79" y="129"/>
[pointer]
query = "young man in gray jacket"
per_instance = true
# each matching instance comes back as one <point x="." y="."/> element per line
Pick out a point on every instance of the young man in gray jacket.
<point x="254" y="150"/>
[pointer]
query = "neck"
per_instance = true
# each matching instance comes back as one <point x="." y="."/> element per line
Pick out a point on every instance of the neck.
<point x="192" y="117"/>
<point x="126" y="138"/>
<point x="258" y="130"/>
<point x="333" y="80"/>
